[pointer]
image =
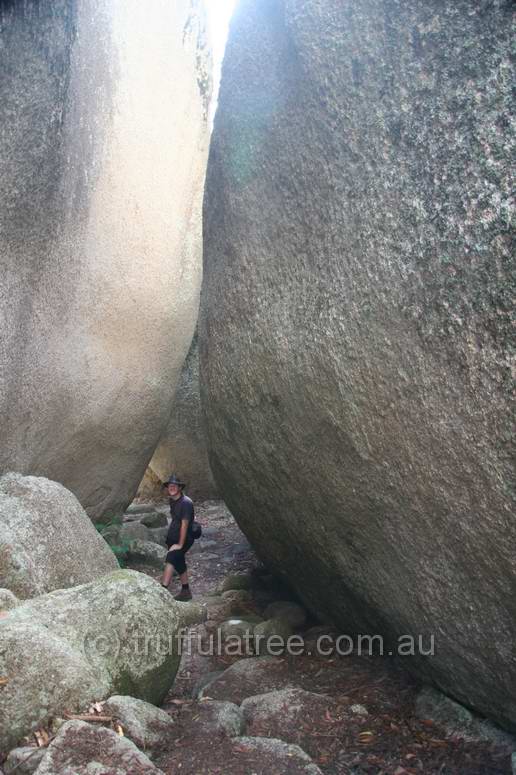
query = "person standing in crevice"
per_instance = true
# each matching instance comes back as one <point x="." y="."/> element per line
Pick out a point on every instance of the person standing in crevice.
<point x="179" y="537"/>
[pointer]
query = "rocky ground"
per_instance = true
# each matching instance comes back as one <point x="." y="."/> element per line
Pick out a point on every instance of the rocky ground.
<point x="231" y="712"/>
<point x="366" y="721"/>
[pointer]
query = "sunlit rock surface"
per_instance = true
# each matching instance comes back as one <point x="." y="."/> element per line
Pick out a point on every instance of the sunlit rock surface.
<point x="103" y="109"/>
<point x="47" y="541"/>
<point x="356" y="340"/>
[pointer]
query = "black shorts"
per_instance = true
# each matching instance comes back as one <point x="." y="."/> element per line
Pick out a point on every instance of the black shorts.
<point x="177" y="557"/>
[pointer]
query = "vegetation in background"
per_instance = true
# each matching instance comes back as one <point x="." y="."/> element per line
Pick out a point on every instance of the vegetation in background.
<point x="110" y="533"/>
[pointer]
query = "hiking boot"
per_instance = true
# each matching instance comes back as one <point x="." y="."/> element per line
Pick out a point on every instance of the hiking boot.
<point x="183" y="596"/>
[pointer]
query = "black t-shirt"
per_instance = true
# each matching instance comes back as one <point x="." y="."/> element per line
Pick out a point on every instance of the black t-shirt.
<point x="181" y="509"/>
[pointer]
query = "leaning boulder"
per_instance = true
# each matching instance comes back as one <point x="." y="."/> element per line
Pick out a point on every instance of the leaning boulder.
<point x="47" y="541"/>
<point x="61" y="651"/>
<point x="183" y="443"/>
<point x="356" y="339"/>
<point x="101" y="182"/>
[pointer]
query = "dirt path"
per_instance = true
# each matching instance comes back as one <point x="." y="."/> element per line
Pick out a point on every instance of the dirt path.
<point x="382" y="736"/>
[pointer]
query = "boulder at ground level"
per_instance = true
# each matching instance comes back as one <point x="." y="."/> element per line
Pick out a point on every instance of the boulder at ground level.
<point x="458" y="721"/>
<point x="47" y="540"/>
<point x="287" y="759"/>
<point x="154" y="519"/>
<point x="213" y="719"/>
<point x="24" y="760"/>
<point x="61" y="651"/>
<point x="237" y="582"/>
<point x="147" y="553"/>
<point x="145" y="724"/>
<point x="249" y="677"/>
<point x="289" y="612"/>
<point x="285" y="713"/>
<point x="134" y="530"/>
<point x="139" y="509"/>
<point x="355" y="335"/>
<point x="84" y="749"/>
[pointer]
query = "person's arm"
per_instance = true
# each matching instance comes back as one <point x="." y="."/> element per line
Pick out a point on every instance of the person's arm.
<point x="182" y="533"/>
<point x="186" y="517"/>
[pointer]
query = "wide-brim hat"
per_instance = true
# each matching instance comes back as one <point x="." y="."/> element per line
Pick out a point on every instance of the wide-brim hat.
<point x="174" y="480"/>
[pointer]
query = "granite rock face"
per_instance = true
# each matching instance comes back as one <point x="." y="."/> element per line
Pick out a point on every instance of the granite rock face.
<point x="355" y="334"/>
<point x="85" y="749"/>
<point x="103" y="108"/>
<point x="47" y="541"/>
<point x="182" y="447"/>
<point x="61" y="651"/>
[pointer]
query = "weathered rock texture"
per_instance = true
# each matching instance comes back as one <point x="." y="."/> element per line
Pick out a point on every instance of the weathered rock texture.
<point x="103" y="108"/>
<point x="61" y="651"/>
<point x="182" y="448"/>
<point x="85" y="749"/>
<point x="47" y="541"/>
<point x="355" y="339"/>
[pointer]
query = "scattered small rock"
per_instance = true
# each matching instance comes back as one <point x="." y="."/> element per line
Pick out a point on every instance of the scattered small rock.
<point x="146" y="553"/>
<point x="248" y="677"/>
<point x="85" y="749"/>
<point x="206" y="546"/>
<point x="209" y="532"/>
<point x="207" y="556"/>
<point x="132" y="531"/>
<point x="215" y="718"/>
<point x="458" y="721"/>
<point x="203" y="681"/>
<point x="237" y="581"/>
<point x="236" y="628"/>
<point x="237" y="595"/>
<point x="24" y="760"/>
<point x="159" y="535"/>
<point x="145" y="724"/>
<point x="290" y="612"/>
<point x="154" y="519"/>
<point x="289" y="759"/>
<point x="284" y="712"/>
<point x="359" y="710"/>
<point x="140" y="508"/>
<point x="272" y="628"/>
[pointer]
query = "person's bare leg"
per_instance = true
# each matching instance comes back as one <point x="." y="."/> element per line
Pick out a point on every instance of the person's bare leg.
<point x="184" y="578"/>
<point x="167" y="574"/>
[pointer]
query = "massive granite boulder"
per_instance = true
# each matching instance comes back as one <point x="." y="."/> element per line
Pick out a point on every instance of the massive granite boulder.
<point x="103" y="108"/>
<point x="120" y="634"/>
<point x="355" y="335"/>
<point x="182" y="447"/>
<point x="47" y="541"/>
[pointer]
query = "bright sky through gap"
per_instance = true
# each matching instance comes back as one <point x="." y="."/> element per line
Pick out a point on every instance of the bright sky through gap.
<point x="219" y="14"/>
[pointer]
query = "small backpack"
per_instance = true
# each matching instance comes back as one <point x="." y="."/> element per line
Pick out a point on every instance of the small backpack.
<point x="195" y="530"/>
